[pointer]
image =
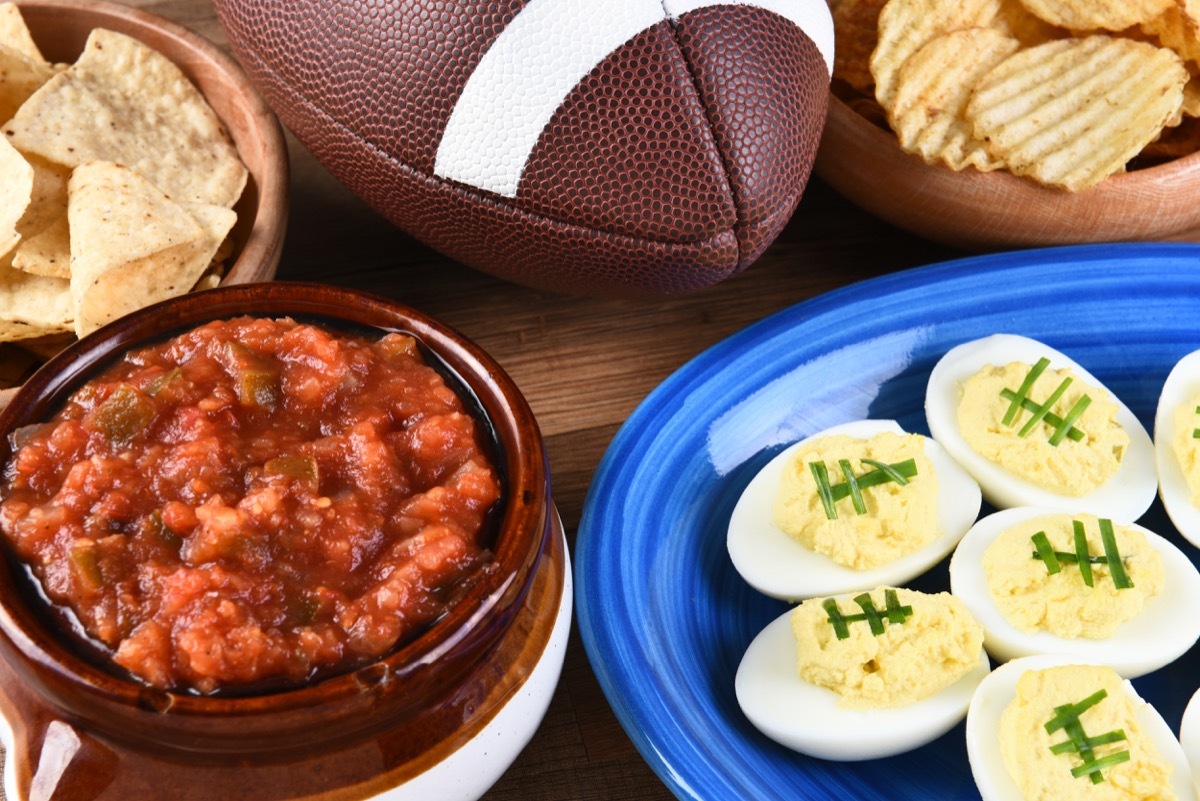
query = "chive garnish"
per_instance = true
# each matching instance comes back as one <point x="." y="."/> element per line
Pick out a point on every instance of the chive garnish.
<point x="1032" y="422"/>
<point x="1061" y="429"/>
<point x="1082" y="553"/>
<point x="893" y="612"/>
<point x="836" y="619"/>
<point x="893" y="471"/>
<point x="821" y="475"/>
<point x="1074" y="747"/>
<point x="870" y="613"/>
<point x="1010" y="415"/>
<point x="1094" y="767"/>
<point x="1063" y="426"/>
<point x="1196" y="431"/>
<point x="1070" y="712"/>
<point x="1116" y="568"/>
<point x="856" y="498"/>
<point x="899" y="472"/>
<point x="1073" y="434"/>
<point x="1045" y="552"/>
<point x="1066" y="717"/>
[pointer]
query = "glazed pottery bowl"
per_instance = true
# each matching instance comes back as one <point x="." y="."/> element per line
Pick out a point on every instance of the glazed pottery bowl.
<point x="997" y="210"/>
<point x="60" y="28"/>
<point x="491" y="661"/>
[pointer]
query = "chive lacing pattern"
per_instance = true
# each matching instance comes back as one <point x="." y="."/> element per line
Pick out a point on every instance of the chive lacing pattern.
<point x="1082" y="557"/>
<point x="853" y="486"/>
<point x="892" y="612"/>
<point x="1039" y="413"/>
<point x="1066" y="718"/>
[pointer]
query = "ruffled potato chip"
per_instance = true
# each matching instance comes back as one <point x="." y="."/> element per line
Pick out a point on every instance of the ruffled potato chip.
<point x="131" y="244"/>
<point x="1179" y="29"/>
<point x="1108" y="15"/>
<point x="928" y="115"/>
<point x="906" y="25"/>
<point x="1071" y="112"/>
<point x="1016" y="21"/>
<point x="122" y="101"/>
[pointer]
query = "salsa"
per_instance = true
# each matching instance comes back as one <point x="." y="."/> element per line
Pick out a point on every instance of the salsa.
<point x="254" y="501"/>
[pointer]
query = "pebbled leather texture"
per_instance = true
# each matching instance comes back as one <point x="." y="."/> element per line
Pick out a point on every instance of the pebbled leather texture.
<point x="669" y="166"/>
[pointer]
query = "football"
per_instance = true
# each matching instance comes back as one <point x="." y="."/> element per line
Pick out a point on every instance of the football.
<point x="627" y="148"/>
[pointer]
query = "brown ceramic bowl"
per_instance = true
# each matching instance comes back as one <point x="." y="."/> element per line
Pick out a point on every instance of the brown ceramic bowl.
<point x="997" y="210"/>
<point x="351" y="736"/>
<point x="60" y="29"/>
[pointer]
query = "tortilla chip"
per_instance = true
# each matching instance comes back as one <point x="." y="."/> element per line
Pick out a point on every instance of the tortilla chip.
<point x="132" y="245"/>
<point x="20" y="78"/>
<point x="16" y="178"/>
<point x="48" y="252"/>
<point x="15" y="34"/>
<point x="32" y="305"/>
<point x="124" y="102"/>
<point x="48" y="197"/>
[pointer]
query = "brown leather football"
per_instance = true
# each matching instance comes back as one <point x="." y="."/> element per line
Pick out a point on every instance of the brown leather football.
<point x="605" y="147"/>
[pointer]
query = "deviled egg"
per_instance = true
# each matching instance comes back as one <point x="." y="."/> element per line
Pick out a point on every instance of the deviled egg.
<point x="1018" y="571"/>
<point x="1051" y="727"/>
<point x="1036" y="429"/>
<point x="852" y="678"/>
<point x="1189" y="737"/>
<point x="803" y="527"/>
<point x="1177" y="446"/>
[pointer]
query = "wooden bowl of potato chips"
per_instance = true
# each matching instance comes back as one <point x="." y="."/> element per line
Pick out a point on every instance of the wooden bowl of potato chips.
<point x="988" y="124"/>
<point x="138" y="163"/>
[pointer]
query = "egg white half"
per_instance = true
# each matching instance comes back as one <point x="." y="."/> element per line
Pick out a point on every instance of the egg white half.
<point x="1126" y="496"/>
<point x="1189" y="738"/>
<point x="1181" y="386"/>
<point x="806" y="717"/>
<point x="999" y="688"/>
<point x="1164" y="630"/>
<point x="777" y="565"/>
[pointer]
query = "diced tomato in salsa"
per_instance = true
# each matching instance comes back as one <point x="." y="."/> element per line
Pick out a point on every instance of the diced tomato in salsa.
<point x="254" y="501"/>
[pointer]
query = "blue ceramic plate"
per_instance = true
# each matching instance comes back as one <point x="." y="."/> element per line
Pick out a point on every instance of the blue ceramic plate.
<point x="665" y="617"/>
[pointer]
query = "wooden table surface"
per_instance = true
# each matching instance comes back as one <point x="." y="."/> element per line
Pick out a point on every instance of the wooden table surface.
<point x="584" y="364"/>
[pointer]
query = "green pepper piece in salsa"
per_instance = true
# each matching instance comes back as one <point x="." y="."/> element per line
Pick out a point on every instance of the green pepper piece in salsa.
<point x="298" y="466"/>
<point x="123" y="415"/>
<point x="256" y="380"/>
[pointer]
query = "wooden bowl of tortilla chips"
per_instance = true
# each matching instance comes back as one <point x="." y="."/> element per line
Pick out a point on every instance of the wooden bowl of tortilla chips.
<point x="139" y="163"/>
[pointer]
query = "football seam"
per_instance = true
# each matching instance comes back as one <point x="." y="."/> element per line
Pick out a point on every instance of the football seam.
<point x="739" y="223"/>
<point x="488" y="198"/>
